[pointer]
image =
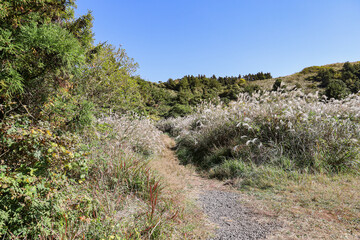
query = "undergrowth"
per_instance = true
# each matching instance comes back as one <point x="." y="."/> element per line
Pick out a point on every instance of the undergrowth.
<point x="263" y="139"/>
<point x="92" y="186"/>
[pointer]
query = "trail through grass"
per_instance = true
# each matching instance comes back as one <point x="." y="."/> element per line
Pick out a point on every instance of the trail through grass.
<point x="186" y="187"/>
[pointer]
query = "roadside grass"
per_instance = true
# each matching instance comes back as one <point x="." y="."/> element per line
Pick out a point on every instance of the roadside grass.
<point x="127" y="199"/>
<point x="325" y="206"/>
<point x="312" y="207"/>
<point x="99" y="184"/>
<point x="121" y="197"/>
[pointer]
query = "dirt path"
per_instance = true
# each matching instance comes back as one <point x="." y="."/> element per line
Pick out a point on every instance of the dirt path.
<point x="216" y="207"/>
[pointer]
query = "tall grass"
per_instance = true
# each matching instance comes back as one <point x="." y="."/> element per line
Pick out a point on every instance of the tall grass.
<point x="291" y="132"/>
<point x="120" y="198"/>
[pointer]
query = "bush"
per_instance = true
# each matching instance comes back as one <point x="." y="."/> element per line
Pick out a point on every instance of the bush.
<point x="277" y="84"/>
<point x="36" y="163"/>
<point x="52" y="186"/>
<point x="336" y="89"/>
<point x="314" y="69"/>
<point x="179" y="110"/>
<point x="250" y="88"/>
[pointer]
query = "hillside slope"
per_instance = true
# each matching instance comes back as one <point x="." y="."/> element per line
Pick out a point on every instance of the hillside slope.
<point x="301" y="78"/>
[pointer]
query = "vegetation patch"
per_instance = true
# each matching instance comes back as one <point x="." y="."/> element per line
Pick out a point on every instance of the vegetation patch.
<point x="289" y="131"/>
<point x="293" y="151"/>
<point x="76" y="132"/>
<point x="338" y="84"/>
<point x="70" y="168"/>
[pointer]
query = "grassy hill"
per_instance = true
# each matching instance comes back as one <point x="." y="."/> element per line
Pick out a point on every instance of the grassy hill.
<point x="301" y="78"/>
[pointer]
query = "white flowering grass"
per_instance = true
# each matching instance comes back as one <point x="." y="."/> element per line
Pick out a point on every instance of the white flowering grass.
<point x="292" y="131"/>
<point x="132" y="132"/>
<point x="298" y="153"/>
<point x="125" y="196"/>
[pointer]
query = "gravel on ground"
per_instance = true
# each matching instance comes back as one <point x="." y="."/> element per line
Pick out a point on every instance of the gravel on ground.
<point x="234" y="220"/>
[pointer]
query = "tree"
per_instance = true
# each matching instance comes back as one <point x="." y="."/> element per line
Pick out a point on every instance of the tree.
<point x="348" y="67"/>
<point x="325" y="75"/>
<point x="108" y="81"/>
<point x="336" y="89"/>
<point x="184" y="84"/>
<point x="277" y="84"/>
<point x="213" y="83"/>
<point x="171" y="84"/>
<point x="38" y="54"/>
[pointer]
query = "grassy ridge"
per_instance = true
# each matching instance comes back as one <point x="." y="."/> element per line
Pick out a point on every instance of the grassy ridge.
<point x="301" y="78"/>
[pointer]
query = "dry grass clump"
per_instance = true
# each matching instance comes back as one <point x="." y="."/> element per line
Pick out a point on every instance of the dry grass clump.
<point x="132" y="132"/>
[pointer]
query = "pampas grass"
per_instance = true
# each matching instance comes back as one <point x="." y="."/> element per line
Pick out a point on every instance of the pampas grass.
<point x="313" y="133"/>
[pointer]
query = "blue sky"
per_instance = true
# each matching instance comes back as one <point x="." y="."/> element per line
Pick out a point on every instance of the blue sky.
<point x="173" y="38"/>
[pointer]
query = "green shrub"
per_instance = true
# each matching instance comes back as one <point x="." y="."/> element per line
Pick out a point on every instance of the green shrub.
<point x="336" y="89"/>
<point x="36" y="163"/>
<point x="179" y="110"/>
<point x="252" y="88"/>
<point x="314" y="69"/>
<point x="277" y="84"/>
<point x="67" y="112"/>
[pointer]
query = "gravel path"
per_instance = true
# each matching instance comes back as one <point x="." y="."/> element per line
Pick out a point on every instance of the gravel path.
<point x="234" y="220"/>
<point x="218" y="201"/>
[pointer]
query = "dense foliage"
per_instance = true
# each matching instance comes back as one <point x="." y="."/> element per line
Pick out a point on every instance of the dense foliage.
<point x="60" y="177"/>
<point x="186" y="93"/>
<point x="339" y="84"/>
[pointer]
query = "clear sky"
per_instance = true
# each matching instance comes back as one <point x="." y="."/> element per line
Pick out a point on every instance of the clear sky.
<point x="173" y="38"/>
